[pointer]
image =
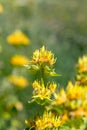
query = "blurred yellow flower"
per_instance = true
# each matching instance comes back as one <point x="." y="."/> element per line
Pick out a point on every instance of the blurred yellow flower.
<point x="60" y="98"/>
<point x="82" y="64"/>
<point x="47" y="121"/>
<point x="18" y="81"/>
<point x="1" y="9"/>
<point x="74" y="91"/>
<point x="18" y="60"/>
<point x="43" y="56"/>
<point x="18" y="38"/>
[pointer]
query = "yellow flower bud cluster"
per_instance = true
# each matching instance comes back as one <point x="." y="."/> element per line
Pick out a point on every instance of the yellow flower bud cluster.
<point x="47" y="121"/>
<point x="43" y="92"/>
<point x="43" y="56"/>
<point x="73" y="100"/>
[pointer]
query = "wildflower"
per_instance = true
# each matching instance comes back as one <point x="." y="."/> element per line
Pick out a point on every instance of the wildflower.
<point x="74" y="91"/>
<point x="82" y="64"/>
<point x="18" y="38"/>
<point x="18" y="60"/>
<point x="60" y="98"/>
<point x="47" y="121"/>
<point x="18" y="81"/>
<point x="43" y="56"/>
<point x="1" y="9"/>
<point x="43" y="92"/>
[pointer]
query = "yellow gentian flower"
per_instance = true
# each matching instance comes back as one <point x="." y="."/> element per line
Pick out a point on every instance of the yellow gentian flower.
<point x="18" y="60"/>
<point x="74" y="91"/>
<point x="43" y="92"/>
<point x="47" y="121"/>
<point x="43" y="56"/>
<point x="19" y="81"/>
<point x="18" y="38"/>
<point x="60" y="98"/>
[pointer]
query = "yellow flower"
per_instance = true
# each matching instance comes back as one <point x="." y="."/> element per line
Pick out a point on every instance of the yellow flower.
<point x="60" y="98"/>
<point x="43" y="92"/>
<point x="47" y="121"/>
<point x="1" y="8"/>
<point x="18" y="38"/>
<point x="43" y="56"/>
<point x="18" y="81"/>
<point x="82" y="64"/>
<point x="18" y="60"/>
<point x="74" y="91"/>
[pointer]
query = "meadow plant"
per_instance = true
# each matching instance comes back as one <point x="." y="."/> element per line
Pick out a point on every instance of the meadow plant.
<point x="62" y="109"/>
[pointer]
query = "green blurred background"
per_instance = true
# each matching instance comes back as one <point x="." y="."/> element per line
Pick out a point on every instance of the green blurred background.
<point x="61" y="25"/>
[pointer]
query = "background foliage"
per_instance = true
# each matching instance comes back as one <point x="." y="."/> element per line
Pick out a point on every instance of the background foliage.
<point x="60" y="25"/>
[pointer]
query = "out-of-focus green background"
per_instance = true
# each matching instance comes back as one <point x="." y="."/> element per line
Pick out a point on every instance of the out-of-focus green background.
<point x="61" y="25"/>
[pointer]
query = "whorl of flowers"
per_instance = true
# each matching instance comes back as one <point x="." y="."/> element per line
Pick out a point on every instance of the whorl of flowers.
<point x="43" y="56"/>
<point x="43" y="93"/>
<point x="42" y="61"/>
<point x="18" y="38"/>
<point x="19" y="81"/>
<point x="18" y="60"/>
<point x="47" y="121"/>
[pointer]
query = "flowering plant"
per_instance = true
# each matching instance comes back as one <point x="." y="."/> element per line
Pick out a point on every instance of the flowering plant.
<point x="62" y="109"/>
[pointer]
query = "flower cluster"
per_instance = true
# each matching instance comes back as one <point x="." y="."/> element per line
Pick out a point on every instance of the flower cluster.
<point x="42" y="61"/>
<point x="43" y="93"/>
<point x="18" y="38"/>
<point x="47" y="121"/>
<point x="19" y="81"/>
<point x="43" y="56"/>
<point x="73" y="101"/>
<point x="18" y="60"/>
